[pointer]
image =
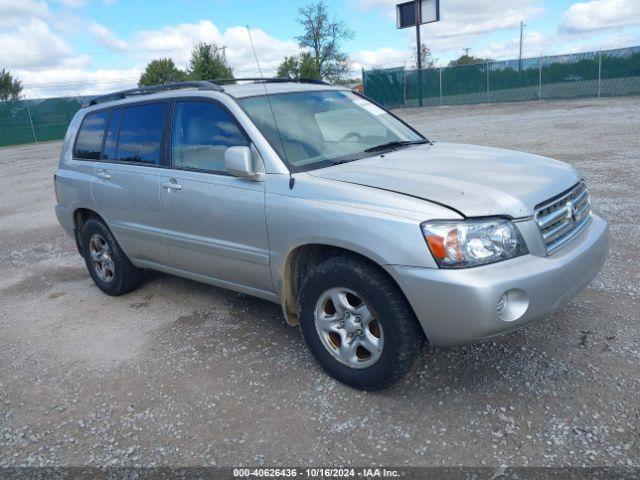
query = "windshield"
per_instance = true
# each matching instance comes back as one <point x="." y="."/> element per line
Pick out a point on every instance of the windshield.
<point x="317" y="129"/>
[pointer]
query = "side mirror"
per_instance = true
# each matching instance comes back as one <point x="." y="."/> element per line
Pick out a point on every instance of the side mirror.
<point x="238" y="162"/>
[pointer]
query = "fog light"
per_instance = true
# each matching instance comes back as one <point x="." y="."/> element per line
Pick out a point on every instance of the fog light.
<point x="502" y="303"/>
<point x="512" y="305"/>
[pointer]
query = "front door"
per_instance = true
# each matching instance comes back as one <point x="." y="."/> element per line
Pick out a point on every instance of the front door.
<point x="214" y="222"/>
<point x="126" y="184"/>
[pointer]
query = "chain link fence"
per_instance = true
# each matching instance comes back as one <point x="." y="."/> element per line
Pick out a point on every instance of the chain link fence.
<point x="593" y="74"/>
<point x="32" y="121"/>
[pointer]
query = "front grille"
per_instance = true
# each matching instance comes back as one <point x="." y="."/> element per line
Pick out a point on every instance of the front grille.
<point x="564" y="216"/>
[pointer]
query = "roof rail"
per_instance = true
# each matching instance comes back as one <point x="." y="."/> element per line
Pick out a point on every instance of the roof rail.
<point x="269" y="80"/>
<point x="201" y="85"/>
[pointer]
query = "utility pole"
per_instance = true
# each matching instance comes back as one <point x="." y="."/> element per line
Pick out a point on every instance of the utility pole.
<point x="419" y="55"/>
<point x="522" y="25"/>
<point x="466" y="51"/>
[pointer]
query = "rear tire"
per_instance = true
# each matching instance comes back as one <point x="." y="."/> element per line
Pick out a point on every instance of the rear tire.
<point x="358" y="324"/>
<point x="108" y="266"/>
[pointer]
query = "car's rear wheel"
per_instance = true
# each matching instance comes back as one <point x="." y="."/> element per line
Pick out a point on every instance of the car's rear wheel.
<point x="108" y="266"/>
<point x="358" y="324"/>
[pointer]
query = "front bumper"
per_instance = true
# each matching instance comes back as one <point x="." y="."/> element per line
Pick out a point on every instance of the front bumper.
<point x="460" y="306"/>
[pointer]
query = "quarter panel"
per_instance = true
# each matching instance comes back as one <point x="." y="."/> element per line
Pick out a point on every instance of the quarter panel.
<point x="73" y="177"/>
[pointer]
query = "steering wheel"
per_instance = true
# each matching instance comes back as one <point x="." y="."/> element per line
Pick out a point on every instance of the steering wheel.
<point x="355" y="135"/>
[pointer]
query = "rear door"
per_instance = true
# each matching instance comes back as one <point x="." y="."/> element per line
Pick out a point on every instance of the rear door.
<point x="126" y="185"/>
<point x="215" y="223"/>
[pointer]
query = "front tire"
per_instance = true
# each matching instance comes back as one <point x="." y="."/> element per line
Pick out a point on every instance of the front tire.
<point x="108" y="266"/>
<point x="358" y="324"/>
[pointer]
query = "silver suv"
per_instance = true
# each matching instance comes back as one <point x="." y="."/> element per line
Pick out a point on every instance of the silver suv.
<point x="372" y="238"/>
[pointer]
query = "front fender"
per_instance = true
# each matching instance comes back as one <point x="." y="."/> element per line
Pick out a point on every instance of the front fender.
<point x="379" y="225"/>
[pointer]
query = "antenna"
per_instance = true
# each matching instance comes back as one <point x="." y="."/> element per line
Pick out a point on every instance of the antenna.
<point x="255" y="55"/>
<point x="292" y="179"/>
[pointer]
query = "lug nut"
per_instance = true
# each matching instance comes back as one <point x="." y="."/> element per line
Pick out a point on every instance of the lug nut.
<point x="359" y="332"/>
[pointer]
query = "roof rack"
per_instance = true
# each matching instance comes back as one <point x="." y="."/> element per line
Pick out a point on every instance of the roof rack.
<point x="270" y="80"/>
<point x="200" y="85"/>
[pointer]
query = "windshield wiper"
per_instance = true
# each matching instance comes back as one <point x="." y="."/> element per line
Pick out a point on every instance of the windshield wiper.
<point x="346" y="160"/>
<point x="395" y="144"/>
<point x="385" y="146"/>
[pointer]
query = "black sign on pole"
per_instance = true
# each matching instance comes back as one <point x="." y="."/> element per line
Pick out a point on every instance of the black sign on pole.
<point x="407" y="15"/>
<point x="414" y="14"/>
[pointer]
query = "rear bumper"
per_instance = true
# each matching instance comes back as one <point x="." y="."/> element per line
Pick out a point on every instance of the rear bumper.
<point x="460" y="306"/>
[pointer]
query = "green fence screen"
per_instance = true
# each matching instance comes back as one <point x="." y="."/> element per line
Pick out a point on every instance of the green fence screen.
<point x="29" y="121"/>
<point x="581" y="75"/>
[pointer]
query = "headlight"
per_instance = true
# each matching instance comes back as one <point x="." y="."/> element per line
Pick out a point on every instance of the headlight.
<point x="469" y="243"/>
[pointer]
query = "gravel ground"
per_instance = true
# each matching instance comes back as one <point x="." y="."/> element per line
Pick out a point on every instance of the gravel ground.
<point x="179" y="373"/>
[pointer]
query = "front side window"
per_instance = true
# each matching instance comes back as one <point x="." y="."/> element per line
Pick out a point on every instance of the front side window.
<point x="140" y="138"/>
<point x="202" y="132"/>
<point x="89" y="142"/>
<point x="319" y="128"/>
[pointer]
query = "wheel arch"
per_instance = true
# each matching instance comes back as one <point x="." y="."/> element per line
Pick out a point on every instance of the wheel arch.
<point x="299" y="262"/>
<point x="80" y="217"/>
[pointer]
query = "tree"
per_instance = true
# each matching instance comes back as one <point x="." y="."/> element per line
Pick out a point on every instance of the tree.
<point x="322" y="38"/>
<point x="300" y="66"/>
<point x="161" y="71"/>
<point x="468" y="60"/>
<point x="426" y="57"/>
<point x="208" y="62"/>
<point x="10" y="87"/>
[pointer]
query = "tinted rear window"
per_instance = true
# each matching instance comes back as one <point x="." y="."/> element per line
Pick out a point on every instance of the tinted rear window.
<point x="111" y="142"/>
<point x="141" y="133"/>
<point x="89" y="142"/>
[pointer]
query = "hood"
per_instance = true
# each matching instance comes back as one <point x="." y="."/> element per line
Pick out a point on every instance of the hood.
<point x="476" y="181"/>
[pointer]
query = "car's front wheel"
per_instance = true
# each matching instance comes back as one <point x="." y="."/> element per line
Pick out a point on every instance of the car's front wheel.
<point x="358" y="324"/>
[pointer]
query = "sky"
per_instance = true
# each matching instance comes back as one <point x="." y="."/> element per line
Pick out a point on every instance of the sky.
<point x="79" y="47"/>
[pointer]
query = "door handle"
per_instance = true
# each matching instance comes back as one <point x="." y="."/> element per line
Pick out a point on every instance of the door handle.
<point x="103" y="174"/>
<point x="172" y="186"/>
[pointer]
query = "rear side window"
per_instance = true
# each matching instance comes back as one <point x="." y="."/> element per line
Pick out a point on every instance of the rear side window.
<point x="89" y="141"/>
<point x="202" y="132"/>
<point x="140" y="136"/>
<point x="111" y="142"/>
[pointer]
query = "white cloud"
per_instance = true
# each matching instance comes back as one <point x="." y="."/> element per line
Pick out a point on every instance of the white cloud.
<point x="13" y="13"/>
<point x="534" y="44"/>
<point x="61" y="82"/>
<point x="271" y="51"/>
<point x="105" y="37"/>
<point x="600" y="15"/>
<point x="51" y="69"/>
<point x="74" y="3"/>
<point x="385" y="56"/>
<point x="177" y="41"/>
<point x="32" y="44"/>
